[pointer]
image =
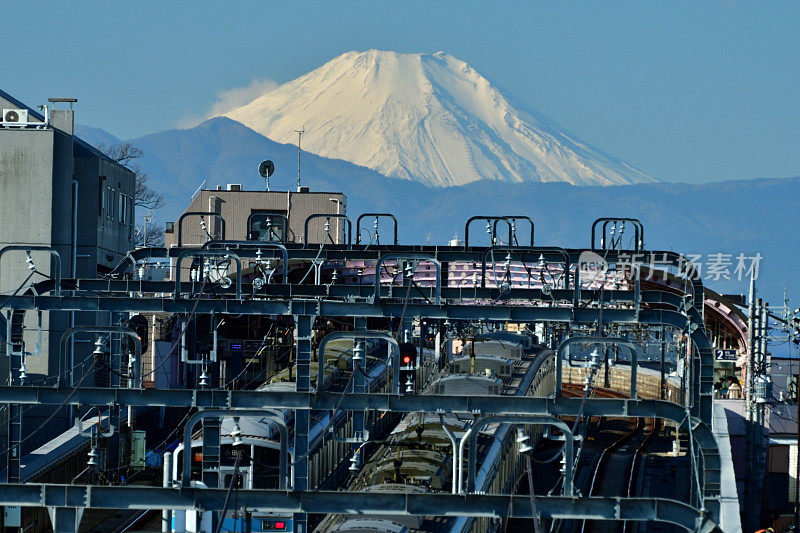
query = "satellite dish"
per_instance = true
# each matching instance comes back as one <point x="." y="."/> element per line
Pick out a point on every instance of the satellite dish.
<point x="266" y="168"/>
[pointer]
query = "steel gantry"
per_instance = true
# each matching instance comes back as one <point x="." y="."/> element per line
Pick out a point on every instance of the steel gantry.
<point x="442" y="301"/>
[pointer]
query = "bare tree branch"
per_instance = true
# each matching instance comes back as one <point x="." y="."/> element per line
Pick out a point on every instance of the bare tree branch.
<point x="126" y="154"/>
<point x="155" y="235"/>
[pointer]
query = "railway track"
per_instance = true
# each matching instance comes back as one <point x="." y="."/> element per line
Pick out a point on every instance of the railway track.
<point x="619" y="463"/>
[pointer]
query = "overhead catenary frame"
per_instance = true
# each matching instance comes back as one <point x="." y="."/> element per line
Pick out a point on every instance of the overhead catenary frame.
<point x="364" y="301"/>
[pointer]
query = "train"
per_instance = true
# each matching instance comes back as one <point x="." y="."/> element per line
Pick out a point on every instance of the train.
<point x="417" y="456"/>
<point x="412" y="453"/>
<point x="255" y="440"/>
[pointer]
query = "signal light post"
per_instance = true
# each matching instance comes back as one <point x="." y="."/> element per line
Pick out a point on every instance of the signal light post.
<point x="408" y="367"/>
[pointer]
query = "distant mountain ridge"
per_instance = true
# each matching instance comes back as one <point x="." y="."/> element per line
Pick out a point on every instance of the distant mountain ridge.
<point x="96" y="136"/>
<point x="724" y="217"/>
<point x="429" y="118"/>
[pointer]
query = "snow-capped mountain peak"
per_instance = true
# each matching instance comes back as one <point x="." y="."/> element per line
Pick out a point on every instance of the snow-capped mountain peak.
<point x="426" y="117"/>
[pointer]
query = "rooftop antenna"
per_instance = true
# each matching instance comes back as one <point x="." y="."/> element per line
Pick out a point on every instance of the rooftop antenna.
<point x="266" y="168"/>
<point x="197" y="191"/>
<point x="299" y="136"/>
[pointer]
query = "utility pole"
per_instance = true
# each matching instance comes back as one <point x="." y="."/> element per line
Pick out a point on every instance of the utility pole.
<point x="759" y="459"/>
<point x="797" y="456"/>
<point x="794" y="331"/>
<point x="750" y="404"/>
<point x="147" y="219"/>
<point x="299" y="136"/>
<point x="662" y="382"/>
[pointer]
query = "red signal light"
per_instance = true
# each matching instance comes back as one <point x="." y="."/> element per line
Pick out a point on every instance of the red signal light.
<point x="406" y="359"/>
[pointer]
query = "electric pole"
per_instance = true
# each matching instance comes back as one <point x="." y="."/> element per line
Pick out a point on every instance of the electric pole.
<point x="147" y="219"/>
<point x="299" y="137"/>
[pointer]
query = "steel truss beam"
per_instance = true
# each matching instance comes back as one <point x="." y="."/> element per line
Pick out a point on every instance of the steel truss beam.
<point x="495" y="506"/>
<point x="701" y="368"/>
<point x="123" y="288"/>
<point x="310" y="301"/>
<point x="508" y="405"/>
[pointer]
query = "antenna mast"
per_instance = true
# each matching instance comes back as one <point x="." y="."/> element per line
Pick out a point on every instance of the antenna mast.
<point x="299" y="136"/>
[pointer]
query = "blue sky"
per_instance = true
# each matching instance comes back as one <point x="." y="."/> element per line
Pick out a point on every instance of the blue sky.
<point x="685" y="91"/>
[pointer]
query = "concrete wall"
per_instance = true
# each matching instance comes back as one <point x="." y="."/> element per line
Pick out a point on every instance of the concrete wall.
<point x="105" y="229"/>
<point x="27" y="160"/>
<point x="37" y="167"/>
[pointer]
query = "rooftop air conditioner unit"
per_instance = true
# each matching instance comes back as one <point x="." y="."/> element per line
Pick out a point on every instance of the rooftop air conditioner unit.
<point x="15" y="116"/>
<point x="234" y="186"/>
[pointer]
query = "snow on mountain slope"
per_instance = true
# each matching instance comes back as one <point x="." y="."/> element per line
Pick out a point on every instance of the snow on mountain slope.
<point x="427" y="118"/>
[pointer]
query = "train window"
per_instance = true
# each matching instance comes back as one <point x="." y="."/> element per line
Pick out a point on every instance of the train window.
<point x="266" y="226"/>
<point x="266" y="468"/>
<point x="239" y="481"/>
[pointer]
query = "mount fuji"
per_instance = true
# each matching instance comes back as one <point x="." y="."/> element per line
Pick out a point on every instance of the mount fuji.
<point x="429" y="118"/>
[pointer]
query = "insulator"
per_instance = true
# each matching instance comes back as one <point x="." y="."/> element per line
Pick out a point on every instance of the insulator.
<point x="596" y="358"/>
<point x="523" y="442"/>
<point x="358" y="352"/>
<point x="236" y="433"/>
<point x="98" y="347"/>
<point x="92" y="457"/>
<point x="354" y="463"/>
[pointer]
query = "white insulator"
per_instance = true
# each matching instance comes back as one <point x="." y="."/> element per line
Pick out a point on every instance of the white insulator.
<point x="92" y="457"/>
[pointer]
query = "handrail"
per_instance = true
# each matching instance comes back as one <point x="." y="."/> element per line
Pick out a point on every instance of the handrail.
<point x="591" y="339"/>
<point x="254" y="244"/>
<point x="137" y="345"/>
<point x="329" y="216"/>
<point x="357" y="335"/>
<point x="513" y="220"/>
<point x="45" y="247"/>
<point x="472" y="435"/>
<point x="197" y="213"/>
<point x="418" y="257"/>
<point x="208" y="253"/>
<point x="638" y="228"/>
<point x="376" y="215"/>
<point x="488" y="219"/>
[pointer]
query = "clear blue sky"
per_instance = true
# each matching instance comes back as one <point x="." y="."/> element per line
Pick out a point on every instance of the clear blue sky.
<point x="685" y="91"/>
